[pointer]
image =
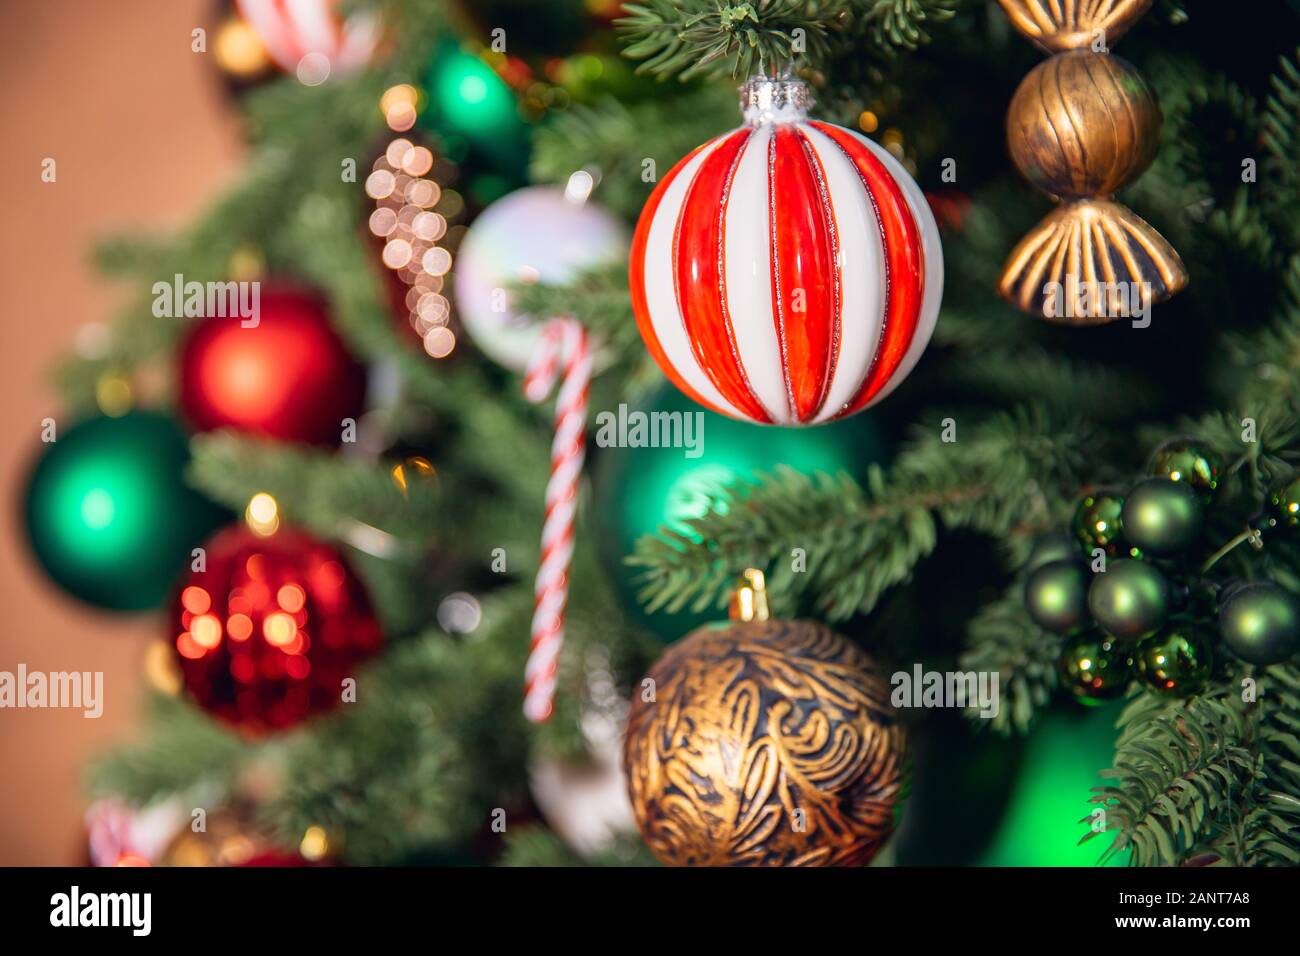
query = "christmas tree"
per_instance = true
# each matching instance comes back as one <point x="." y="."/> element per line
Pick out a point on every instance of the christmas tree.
<point x="403" y="618"/>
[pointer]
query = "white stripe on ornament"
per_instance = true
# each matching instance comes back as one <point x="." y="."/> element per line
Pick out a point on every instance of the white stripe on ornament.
<point x="931" y="255"/>
<point x="661" y="296"/>
<point x="862" y="272"/>
<point x="748" y="255"/>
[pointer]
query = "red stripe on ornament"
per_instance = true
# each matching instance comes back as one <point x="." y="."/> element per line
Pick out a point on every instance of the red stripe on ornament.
<point x="637" y="281"/>
<point x="904" y="264"/>
<point x="805" y="283"/>
<point x="828" y="215"/>
<point x="699" y="258"/>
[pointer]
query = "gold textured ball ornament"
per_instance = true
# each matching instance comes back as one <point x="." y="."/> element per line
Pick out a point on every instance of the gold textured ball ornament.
<point x="766" y="743"/>
<point x="1083" y="124"/>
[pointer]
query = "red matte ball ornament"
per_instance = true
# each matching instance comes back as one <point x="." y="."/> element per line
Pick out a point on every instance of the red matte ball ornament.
<point x="283" y="373"/>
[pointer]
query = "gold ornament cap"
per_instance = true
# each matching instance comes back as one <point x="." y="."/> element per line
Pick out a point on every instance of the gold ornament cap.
<point x="749" y="602"/>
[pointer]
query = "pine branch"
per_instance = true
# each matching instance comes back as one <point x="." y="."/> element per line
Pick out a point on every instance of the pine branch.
<point x="1281" y="133"/>
<point x="317" y="489"/>
<point x="537" y="846"/>
<point x="899" y="25"/>
<point x="1270" y="834"/>
<point x="435" y="742"/>
<point x="689" y="38"/>
<point x="1009" y="475"/>
<point x="1028" y="374"/>
<point x="598" y="298"/>
<point x="189" y="753"/>
<point x="1004" y="640"/>
<point x="619" y="140"/>
<point x="1184" y="773"/>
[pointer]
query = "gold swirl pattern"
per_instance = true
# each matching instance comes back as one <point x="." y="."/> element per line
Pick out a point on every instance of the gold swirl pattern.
<point x="1056" y="25"/>
<point x="769" y="743"/>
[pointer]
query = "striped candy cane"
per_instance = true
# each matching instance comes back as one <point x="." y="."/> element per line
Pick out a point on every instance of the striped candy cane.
<point x="564" y="353"/>
<point x="291" y="29"/>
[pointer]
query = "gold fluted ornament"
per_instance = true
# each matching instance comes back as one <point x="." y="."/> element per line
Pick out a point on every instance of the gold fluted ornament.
<point x="1081" y="125"/>
<point x="764" y="743"/>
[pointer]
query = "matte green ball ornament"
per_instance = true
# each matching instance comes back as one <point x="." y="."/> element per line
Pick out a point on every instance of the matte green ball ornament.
<point x="1175" y="662"/>
<point x="1094" y="667"/>
<point x="1163" y="517"/>
<point x="1260" y="623"/>
<point x="1053" y="547"/>
<point x="1184" y="460"/>
<point x="1098" y="521"/>
<point x="108" y="514"/>
<point x="1130" y="599"/>
<point x="641" y="488"/>
<point x="1056" y="596"/>
<point x="1284" y="505"/>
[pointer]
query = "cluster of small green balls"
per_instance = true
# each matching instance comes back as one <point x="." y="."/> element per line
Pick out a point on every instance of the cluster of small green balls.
<point x="1126" y="593"/>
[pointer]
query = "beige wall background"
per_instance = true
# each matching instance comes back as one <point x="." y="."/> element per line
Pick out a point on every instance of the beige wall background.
<point x="144" y="137"/>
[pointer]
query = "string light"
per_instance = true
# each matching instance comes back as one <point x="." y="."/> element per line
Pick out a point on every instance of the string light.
<point x="579" y="187"/>
<point x="406" y="196"/>
<point x="113" y="395"/>
<point x="315" y="844"/>
<point x="262" y="514"/>
<point x="400" y="105"/>
<point x="239" y="51"/>
<point x="406" y="472"/>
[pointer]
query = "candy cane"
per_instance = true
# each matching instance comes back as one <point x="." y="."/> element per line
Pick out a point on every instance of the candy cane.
<point x="563" y="342"/>
<point x="290" y="29"/>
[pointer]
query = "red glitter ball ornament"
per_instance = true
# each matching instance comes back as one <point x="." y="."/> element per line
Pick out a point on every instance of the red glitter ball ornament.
<point x="283" y="373"/>
<point x="267" y="633"/>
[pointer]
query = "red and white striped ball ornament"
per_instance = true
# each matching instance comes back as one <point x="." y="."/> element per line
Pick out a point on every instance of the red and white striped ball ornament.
<point x="788" y="272"/>
<point x="309" y="37"/>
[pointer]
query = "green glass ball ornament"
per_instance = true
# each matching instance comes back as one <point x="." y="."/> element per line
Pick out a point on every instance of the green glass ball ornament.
<point x="1163" y="517"/>
<point x="1176" y="662"/>
<point x="1130" y="599"/>
<point x="639" y="488"/>
<point x="1260" y="623"/>
<point x="1056" y="596"/>
<point x="1094" y="667"/>
<point x="109" y="515"/>
<point x="1098" y="521"/>
<point x="1052" y="547"/>
<point x="476" y="117"/>
<point x="1185" y="460"/>
<point x="1284" y="505"/>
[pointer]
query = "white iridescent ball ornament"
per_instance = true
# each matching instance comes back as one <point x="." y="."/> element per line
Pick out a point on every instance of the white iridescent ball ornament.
<point x="535" y="234"/>
<point x="788" y="272"/>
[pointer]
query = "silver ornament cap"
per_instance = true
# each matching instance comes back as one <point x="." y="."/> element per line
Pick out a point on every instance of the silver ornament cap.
<point x="767" y="99"/>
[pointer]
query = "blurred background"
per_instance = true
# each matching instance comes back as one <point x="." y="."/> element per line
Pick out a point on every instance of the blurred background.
<point x="143" y="137"/>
